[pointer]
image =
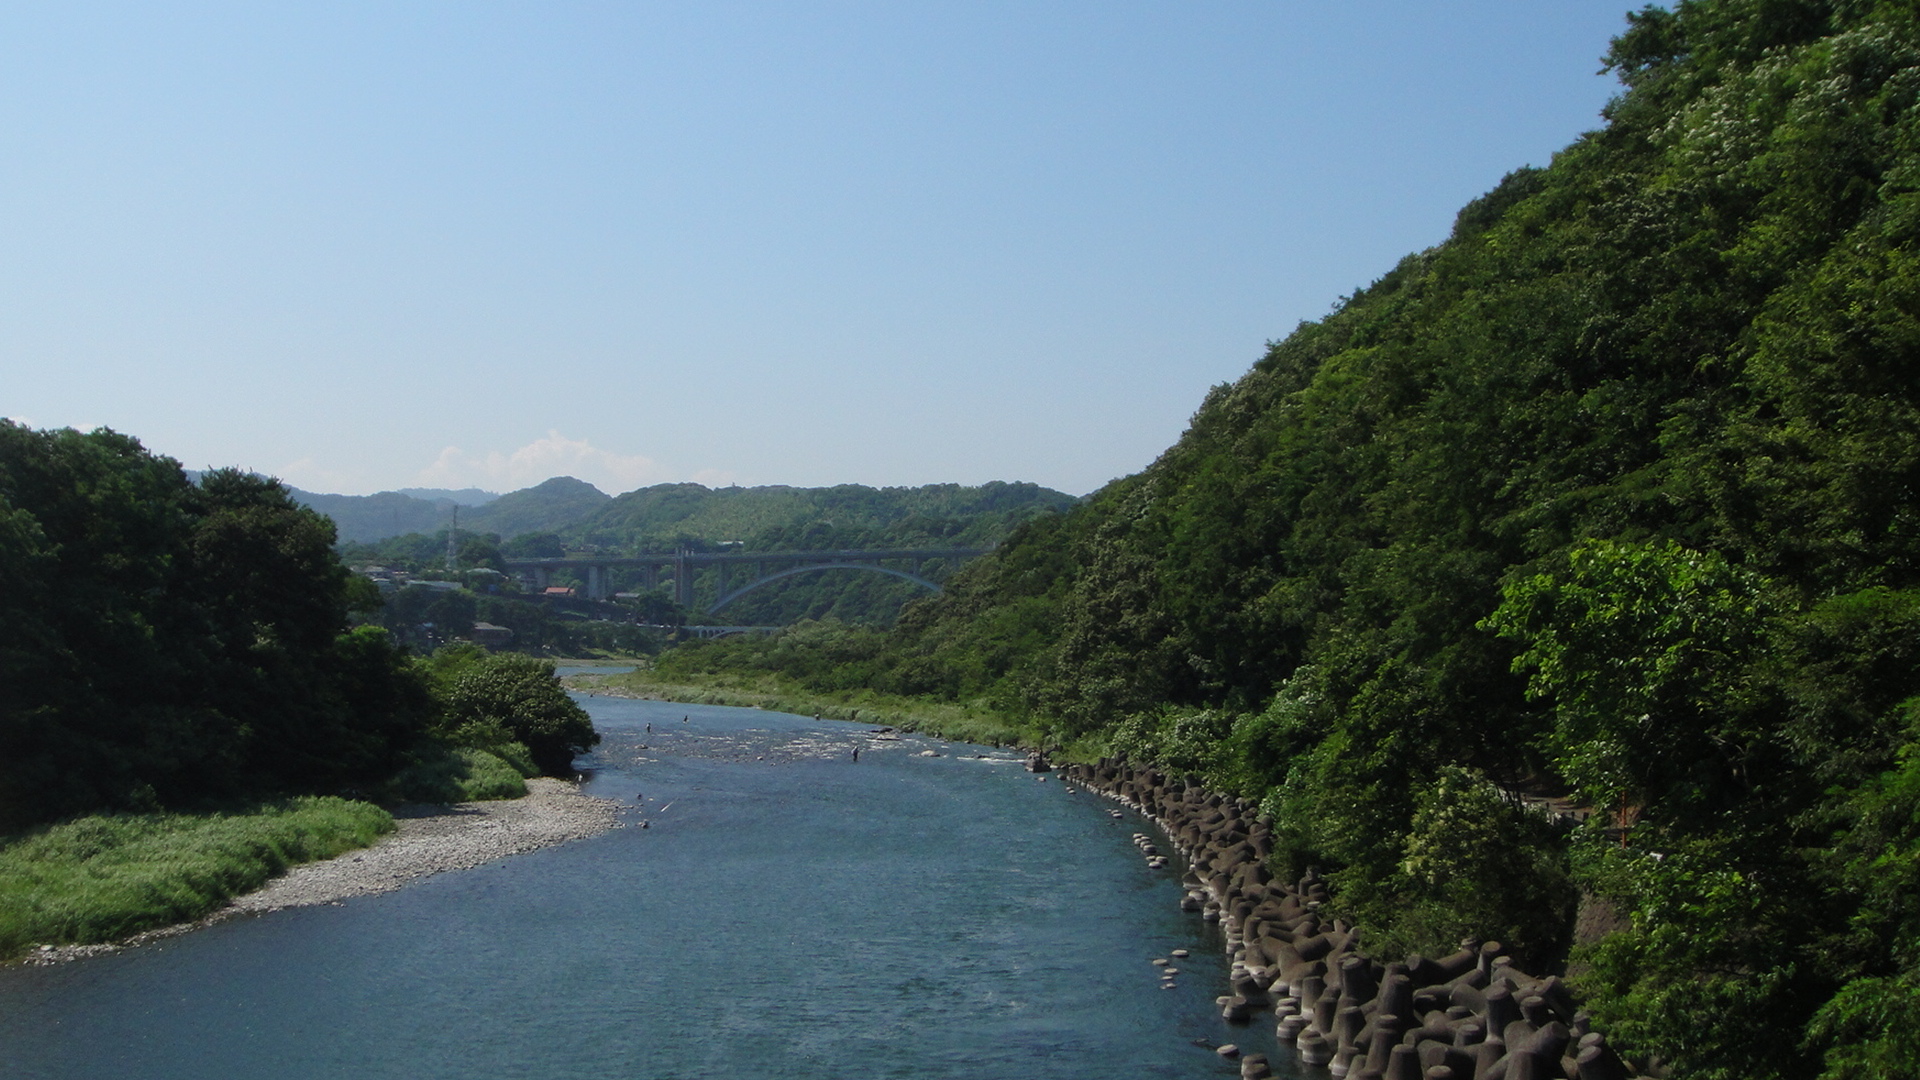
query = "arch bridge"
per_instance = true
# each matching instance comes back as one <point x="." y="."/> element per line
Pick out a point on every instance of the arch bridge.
<point x="735" y="574"/>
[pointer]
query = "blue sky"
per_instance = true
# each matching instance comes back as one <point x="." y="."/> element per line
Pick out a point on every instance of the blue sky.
<point x="379" y="245"/>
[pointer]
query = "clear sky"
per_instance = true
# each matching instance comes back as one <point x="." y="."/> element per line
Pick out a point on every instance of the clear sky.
<point x="364" y="246"/>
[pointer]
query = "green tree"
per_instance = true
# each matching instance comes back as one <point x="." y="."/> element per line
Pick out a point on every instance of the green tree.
<point x="480" y="551"/>
<point x="1871" y="1027"/>
<point x="1645" y="652"/>
<point x="534" y="545"/>
<point x="491" y="696"/>
<point x="183" y="642"/>
<point x="1479" y="864"/>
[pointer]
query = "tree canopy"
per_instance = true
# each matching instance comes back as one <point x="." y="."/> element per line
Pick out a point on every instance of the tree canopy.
<point x="166" y="641"/>
<point x="493" y="700"/>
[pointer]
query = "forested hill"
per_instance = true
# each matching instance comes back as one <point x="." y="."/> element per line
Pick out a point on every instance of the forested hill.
<point x="372" y="517"/>
<point x="790" y="518"/>
<point x="1616" y="489"/>
<point x="559" y="503"/>
<point x="565" y="514"/>
<point x="577" y="513"/>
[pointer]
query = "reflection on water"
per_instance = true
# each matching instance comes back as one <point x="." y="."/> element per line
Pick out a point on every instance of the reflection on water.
<point x="787" y="911"/>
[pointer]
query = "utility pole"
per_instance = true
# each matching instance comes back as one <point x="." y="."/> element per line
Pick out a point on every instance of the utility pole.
<point x="452" y="531"/>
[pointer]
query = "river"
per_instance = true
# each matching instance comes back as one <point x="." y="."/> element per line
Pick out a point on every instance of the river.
<point x="786" y="912"/>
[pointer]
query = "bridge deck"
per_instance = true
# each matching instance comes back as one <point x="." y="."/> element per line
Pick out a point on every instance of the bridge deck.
<point x="703" y="558"/>
<point x="683" y="563"/>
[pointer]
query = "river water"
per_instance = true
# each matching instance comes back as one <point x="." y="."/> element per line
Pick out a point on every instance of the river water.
<point x="786" y="912"/>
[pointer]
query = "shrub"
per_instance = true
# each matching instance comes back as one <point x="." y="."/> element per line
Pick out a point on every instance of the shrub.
<point x="491" y="700"/>
<point x="450" y="774"/>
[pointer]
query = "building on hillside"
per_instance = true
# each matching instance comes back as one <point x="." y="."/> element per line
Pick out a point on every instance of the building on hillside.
<point x="491" y="636"/>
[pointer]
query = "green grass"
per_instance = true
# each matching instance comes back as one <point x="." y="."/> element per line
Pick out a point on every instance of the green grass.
<point x="448" y="774"/>
<point x="942" y="719"/>
<point x="102" y="878"/>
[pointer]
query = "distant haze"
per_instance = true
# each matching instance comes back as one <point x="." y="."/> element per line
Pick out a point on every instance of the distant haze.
<point x="465" y="496"/>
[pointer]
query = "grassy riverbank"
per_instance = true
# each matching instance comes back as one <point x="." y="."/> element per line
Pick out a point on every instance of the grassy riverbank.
<point x="962" y="723"/>
<point x="453" y="774"/>
<point x="102" y="878"/>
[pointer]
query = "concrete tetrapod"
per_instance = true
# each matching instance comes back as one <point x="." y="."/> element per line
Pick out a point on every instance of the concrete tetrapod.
<point x="1460" y="1012"/>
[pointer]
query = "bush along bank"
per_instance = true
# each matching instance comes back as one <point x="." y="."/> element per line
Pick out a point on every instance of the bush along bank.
<point x="1472" y="1015"/>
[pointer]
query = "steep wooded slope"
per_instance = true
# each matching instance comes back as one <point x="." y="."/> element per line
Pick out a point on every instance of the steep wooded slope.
<point x="1613" y="488"/>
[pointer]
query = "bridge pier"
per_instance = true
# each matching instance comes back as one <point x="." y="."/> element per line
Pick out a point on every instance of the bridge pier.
<point x="683" y="579"/>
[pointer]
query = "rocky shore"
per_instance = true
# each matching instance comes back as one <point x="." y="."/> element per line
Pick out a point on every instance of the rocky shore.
<point x="1471" y="1015"/>
<point x="430" y="840"/>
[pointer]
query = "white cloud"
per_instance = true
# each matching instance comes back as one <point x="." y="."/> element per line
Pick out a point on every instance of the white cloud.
<point x="555" y="455"/>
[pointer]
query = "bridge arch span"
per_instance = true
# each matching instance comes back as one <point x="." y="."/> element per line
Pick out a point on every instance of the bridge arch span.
<point x="743" y="590"/>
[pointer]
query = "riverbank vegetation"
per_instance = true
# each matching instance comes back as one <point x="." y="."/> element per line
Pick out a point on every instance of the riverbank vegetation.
<point x="103" y="878"/>
<point x="508" y="705"/>
<point x="171" y="650"/>
<point x="166" y="644"/>
<point x="443" y="773"/>
<point x="1608" y="498"/>
<point x="499" y="720"/>
<point x="751" y="686"/>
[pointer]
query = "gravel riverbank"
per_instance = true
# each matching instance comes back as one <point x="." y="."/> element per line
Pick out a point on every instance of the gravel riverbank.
<point x="430" y="840"/>
<point x="434" y="839"/>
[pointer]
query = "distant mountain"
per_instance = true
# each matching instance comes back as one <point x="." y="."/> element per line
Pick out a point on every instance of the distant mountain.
<point x="565" y="515"/>
<point x="464" y="496"/>
<point x="765" y="518"/>
<point x="367" y="518"/>
<point x="551" y="506"/>
<point x="790" y="518"/>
